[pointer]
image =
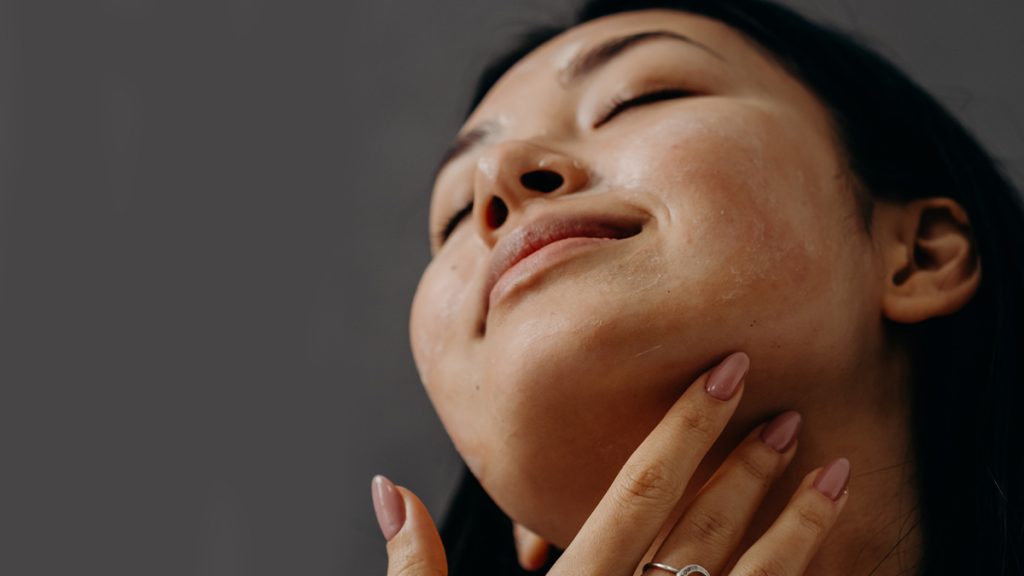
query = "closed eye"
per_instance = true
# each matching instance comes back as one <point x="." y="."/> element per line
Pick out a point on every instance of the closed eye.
<point x="618" y="106"/>
<point x="453" y="221"/>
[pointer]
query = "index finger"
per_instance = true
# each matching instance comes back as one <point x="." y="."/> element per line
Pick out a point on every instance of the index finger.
<point x="632" y="512"/>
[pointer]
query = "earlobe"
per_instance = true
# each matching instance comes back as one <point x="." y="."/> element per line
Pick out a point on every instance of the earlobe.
<point x="931" y="261"/>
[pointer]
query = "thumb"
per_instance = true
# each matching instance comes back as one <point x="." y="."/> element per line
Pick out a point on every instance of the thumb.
<point x="414" y="545"/>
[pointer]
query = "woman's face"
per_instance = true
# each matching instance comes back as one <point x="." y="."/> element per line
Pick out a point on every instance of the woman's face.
<point x="736" y="231"/>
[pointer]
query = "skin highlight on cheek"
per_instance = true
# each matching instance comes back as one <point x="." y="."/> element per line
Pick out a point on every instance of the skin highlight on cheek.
<point x="645" y="266"/>
<point x="540" y="333"/>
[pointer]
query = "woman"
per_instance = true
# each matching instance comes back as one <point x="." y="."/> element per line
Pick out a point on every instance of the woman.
<point x="717" y="290"/>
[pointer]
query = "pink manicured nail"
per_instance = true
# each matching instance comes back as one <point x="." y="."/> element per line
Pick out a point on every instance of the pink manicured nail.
<point x="724" y="380"/>
<point x="780" y="432"/>
<point x="389" y="506"/>
<point x="833" y="478"/>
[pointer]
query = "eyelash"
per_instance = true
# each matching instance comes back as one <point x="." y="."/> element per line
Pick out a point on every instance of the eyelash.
<point x="614" y="108"/>
<point x="452" y="222"/>
<point x="620" y="104"/>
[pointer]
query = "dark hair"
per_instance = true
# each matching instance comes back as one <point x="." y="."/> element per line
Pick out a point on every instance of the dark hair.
<point x="900" y="144"/>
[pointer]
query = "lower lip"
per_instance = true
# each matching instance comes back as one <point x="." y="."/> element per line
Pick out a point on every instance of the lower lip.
<point x="547" y="257"/>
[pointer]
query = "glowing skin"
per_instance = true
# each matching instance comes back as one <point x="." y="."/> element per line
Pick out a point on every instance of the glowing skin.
<point x="751" y="241"/>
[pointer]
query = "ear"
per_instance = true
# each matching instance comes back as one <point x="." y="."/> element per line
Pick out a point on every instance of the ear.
<point x="932" y="267"/>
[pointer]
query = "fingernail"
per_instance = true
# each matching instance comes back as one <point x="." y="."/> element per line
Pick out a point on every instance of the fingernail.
<point x="833" y="478"/>
<point x="725" y="378"/>
<point x="781" y="431"/>
<point x="388" y="505"/>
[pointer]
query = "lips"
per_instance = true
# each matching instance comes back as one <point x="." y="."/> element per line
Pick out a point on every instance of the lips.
<point x="535" y="235"/>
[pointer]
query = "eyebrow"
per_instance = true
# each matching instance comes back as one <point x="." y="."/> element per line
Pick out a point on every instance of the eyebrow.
<point x="581" y="66"/>
<point x="586" y="62"/>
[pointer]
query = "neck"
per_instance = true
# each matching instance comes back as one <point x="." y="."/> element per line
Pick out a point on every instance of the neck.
<point x="877" y="533"/>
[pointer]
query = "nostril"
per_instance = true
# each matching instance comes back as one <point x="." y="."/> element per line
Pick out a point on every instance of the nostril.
<point x="542" y="180"/>
<point x="497" y="212"/>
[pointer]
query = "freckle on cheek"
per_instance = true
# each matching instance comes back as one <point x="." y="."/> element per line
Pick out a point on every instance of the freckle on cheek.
<point x="760" y="254"/>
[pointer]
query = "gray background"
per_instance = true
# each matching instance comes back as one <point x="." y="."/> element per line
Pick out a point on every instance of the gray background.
<point x="212" y="221"/>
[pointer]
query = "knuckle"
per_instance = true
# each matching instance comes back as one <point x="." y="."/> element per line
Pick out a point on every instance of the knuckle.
<point x="766" y="567"/>
<point x="812" y="521"/>
<point x="710" y="529"/>
<point x="416" y="566"/>
<point x="756" y="467"/>
<point x="651" y="481"/>
<point x="699" y="421"/>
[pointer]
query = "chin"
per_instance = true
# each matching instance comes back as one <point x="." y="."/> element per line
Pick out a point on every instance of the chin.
<point x="562" y="420"/>
<point x="553" y="499"/>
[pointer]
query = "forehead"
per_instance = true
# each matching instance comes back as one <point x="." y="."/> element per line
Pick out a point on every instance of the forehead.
<point x="548" y="63"/>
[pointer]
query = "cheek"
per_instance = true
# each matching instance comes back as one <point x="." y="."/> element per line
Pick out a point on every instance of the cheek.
<point x="441" y="321"/>
<point x="765" y="251"/>
<point x="747" y="204"/>
<point x="759" y="255"/>
<point x="439" y="305"/>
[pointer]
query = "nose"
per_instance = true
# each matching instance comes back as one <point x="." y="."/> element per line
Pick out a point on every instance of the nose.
<point x="513" y="173"/>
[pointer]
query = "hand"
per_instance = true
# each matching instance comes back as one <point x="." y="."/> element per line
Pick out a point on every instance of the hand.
<point x="629" y="518"/>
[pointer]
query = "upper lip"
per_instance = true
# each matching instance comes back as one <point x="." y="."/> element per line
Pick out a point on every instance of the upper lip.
<point x="545" y="230"/>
